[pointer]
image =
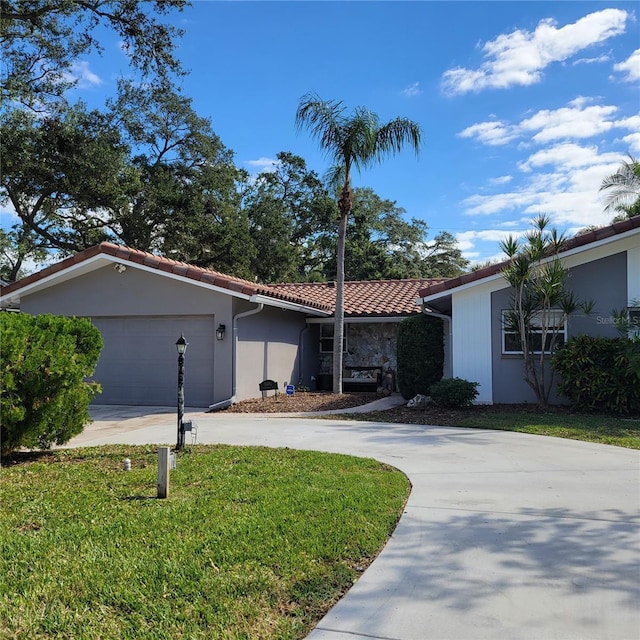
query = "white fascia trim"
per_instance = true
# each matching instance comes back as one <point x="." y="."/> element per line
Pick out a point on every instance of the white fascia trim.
<point x="93" y="263"/>
<point x="289" y="306"/>
<point x="564" y="254"/>
<point x="376" y="320"/>
<point x="496" y="278"/>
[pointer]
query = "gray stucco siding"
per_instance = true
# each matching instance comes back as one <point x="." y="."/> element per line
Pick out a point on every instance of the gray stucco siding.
<point x="268" y="348"/>
<point x="105" y="292"/>
<point x="146" y="298"/>
<point x="603" y="281"/>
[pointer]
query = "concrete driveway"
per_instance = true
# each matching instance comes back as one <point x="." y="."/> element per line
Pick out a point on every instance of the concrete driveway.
<point x="505" y="535"/>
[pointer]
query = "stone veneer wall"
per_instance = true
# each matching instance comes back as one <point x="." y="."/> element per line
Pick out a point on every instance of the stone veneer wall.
<point x="371" y="344"/>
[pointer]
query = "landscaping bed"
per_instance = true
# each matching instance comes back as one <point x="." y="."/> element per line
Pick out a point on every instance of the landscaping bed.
<point x="303" y="401"/>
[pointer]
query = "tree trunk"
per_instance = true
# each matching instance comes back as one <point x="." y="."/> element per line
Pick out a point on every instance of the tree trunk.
<point x="344" y="205"/>
<point x="338" y="331"/>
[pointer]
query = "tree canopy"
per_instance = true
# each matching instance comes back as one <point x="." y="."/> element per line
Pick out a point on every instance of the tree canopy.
<point x="623" y="190"/>
<point x="147" y="171"/>
<point x="41" y="41"/>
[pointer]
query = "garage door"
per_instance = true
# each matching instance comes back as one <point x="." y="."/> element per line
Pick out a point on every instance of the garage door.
<point x="139" y="361"/>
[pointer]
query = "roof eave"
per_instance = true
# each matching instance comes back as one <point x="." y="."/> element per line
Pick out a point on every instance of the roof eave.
<point x="580" y="248"/>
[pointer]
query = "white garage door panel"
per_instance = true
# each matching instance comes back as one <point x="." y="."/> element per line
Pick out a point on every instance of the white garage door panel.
<point x="139" y="362"/>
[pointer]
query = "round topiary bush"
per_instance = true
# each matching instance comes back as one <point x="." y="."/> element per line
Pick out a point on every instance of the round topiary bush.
<point x="420" y="354"/>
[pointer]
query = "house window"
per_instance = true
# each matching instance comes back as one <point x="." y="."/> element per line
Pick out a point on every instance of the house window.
<point x="326" y="338"/>
<point x="555" y="330"/>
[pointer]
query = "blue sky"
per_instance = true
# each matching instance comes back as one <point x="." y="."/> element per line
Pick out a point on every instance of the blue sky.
<point x="525" y="106"/>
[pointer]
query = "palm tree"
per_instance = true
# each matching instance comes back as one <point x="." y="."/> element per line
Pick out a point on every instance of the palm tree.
<point x="351" y="141"/>
<point x="623" y="189"/>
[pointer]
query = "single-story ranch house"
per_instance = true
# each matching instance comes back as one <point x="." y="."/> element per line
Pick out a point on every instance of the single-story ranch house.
<point x="239" y="332"/>
<point x="604" y="266"/>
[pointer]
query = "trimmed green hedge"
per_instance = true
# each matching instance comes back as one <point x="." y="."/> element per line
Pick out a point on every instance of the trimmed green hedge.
<point x="44" y="360"/>
<point x="454" y="392"/>
<point x="420" y="354"/>
<point x="599" y="374"/>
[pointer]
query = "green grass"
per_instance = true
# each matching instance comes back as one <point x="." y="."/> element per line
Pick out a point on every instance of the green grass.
<point x="251" y="543"/>
<point x="558" y="423"/>
<point x="601" y="429"/>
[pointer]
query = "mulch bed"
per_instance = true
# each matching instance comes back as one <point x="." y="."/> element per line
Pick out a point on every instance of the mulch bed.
<point x="302" y="402"/>
<point x="453" y="417"/>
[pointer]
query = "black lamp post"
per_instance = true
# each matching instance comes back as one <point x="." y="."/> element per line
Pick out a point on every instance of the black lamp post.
<point x="181" y="346"/>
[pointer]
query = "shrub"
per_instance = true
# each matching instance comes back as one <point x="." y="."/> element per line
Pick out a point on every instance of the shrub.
<point x="420" y="354"/>
<point x="598" y="374"/>
<point x="43" y="362"/>
<point x="454" y="392"/>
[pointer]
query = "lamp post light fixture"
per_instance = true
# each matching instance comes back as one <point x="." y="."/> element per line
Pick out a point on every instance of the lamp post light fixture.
<point x="220" y="332"/>
<point x="181" y="346"/>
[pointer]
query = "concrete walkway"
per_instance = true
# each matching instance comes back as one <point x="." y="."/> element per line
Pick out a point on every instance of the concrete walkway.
<point x="505" y="536"/>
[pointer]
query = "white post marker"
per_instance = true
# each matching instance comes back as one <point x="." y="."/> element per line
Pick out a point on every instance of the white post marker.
<point x="163" y="472"/>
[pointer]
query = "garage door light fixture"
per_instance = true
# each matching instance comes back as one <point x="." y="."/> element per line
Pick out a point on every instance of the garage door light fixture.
<point x="220" y="331"/>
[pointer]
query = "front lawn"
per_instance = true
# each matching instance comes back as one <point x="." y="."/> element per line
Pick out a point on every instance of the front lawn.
<point x="252" y="543"/>
<point x="558" y="422"/>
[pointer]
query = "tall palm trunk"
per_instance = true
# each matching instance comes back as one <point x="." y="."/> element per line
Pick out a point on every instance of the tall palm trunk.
<point x="344" y="204"/>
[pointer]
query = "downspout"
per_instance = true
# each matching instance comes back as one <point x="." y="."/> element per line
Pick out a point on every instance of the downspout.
<point x="223" y="404"/>
<point x="428" y="312"/>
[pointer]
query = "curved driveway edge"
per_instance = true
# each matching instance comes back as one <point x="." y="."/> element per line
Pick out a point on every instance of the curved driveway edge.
<point x="505" y="535"/>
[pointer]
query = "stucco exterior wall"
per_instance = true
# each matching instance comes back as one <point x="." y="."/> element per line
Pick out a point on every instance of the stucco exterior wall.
<point x="604" y="281"/>
<point x="106" y="293"/>
<point x="267" y="348"/>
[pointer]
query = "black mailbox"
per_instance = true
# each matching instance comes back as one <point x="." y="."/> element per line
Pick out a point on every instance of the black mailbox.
<point x="268" y="385"/>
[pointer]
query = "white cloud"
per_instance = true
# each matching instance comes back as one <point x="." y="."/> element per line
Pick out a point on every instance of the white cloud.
<point x="466" y="239"/>
<point x="501" y="180"/>
<point x="262" y="164"/>
<point x="412" y="90"/>
<point x="633" y="142"/>
<point x="578" y="120"/>
<point x="82" y="74"/>
<point x="575" y="121"/>
<point x="604" y="58"/>
<point x="561" y="181"/>
<point x="519" y="57"/>
<point x="494" y="132"/>
<point x="468" y="242"/>
<point x="566" y="155"/>
<point x="630" y="67"/>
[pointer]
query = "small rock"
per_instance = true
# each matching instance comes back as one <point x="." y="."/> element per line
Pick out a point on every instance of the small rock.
<point x="419" y="401"/>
